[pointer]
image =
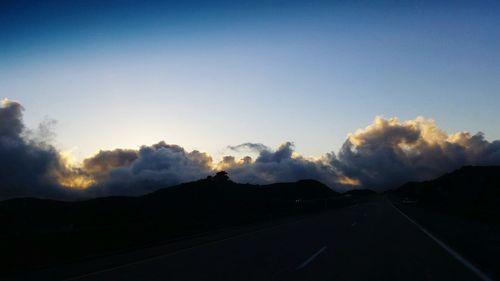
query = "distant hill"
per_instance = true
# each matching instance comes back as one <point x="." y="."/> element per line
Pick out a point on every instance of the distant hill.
<point x="472" y="191"/>
<point x="199" y="200"/>
<point x="462" y="208"/>
<point x="470" y="184"/>
<point x="48" y="231"/>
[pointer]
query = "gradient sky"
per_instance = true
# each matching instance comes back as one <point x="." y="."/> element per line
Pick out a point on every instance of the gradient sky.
<point x="207" y="75"/>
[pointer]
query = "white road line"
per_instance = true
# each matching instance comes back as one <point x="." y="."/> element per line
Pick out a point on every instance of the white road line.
<point x="450" y="251"/>
<point x="304" y="264"/>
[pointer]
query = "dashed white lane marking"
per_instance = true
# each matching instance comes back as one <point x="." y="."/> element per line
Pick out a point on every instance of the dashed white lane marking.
<point x="452" y="252"/>
<point x="310" y="259"/>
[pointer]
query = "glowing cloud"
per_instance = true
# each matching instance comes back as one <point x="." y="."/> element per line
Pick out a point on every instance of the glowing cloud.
<point x="387" y="153"/>
<point x="390" y="152"/>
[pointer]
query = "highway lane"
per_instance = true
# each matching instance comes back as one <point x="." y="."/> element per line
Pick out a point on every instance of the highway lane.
<point x="368" y="241"/>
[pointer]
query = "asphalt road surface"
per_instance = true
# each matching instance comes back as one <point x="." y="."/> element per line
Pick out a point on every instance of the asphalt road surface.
<point x="368" y="241"/>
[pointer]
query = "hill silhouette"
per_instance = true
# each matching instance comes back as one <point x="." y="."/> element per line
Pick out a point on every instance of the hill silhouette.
<point x="462" y="208"/>
<point x="471" y="191"/>
<point x="467" y="184"/>
<point x="43" y="232"/>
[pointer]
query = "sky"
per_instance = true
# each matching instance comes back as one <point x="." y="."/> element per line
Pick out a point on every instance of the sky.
<point x="207" y="75"/>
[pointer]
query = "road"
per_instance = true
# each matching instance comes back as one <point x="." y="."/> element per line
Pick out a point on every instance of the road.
<point x="367" y="241"/>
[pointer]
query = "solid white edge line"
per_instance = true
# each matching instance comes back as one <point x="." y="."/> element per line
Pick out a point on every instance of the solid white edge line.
<point x="450" y="251"/>
<point x="310" y="259"/>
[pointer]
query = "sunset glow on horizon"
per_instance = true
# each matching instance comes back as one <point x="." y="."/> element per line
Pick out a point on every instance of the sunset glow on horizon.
<point x="108" y="95"/>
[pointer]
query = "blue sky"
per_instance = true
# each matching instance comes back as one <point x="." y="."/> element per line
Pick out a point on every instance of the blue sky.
<point x="204" y="76"/>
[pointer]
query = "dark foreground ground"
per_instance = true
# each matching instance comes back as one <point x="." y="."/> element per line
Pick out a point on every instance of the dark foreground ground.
<point x="371" y="240"/>
<point x="40" y="233"/>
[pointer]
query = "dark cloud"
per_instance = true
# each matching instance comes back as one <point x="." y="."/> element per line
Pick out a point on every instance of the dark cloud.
<point x="129" y="172"/>
<point x="27" y="168"/>
<point x="383" y="155"/>
<point x="106" y="160"/>
<point x="11" y="124"/>
<point x="280" y="165"/>
<point x="257" y="147"/>
<point x="390" y="152"/>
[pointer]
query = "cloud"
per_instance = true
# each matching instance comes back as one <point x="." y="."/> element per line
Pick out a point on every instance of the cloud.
<point x="130" y="172"/>
<point x="387" y="153"/>
<point x="257" y="147"/>
<point x="11" y="125"/>
<point x="390" y="152"/>
<point x="106" y="160"/>
<point x="27" y="167"/>
<point x="281" y="165"/>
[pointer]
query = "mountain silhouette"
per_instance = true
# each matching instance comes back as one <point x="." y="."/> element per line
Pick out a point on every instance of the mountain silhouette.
<point x="467" y="185"/>
<point x="471" y="191"/>
<point x="43" y="231"/>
